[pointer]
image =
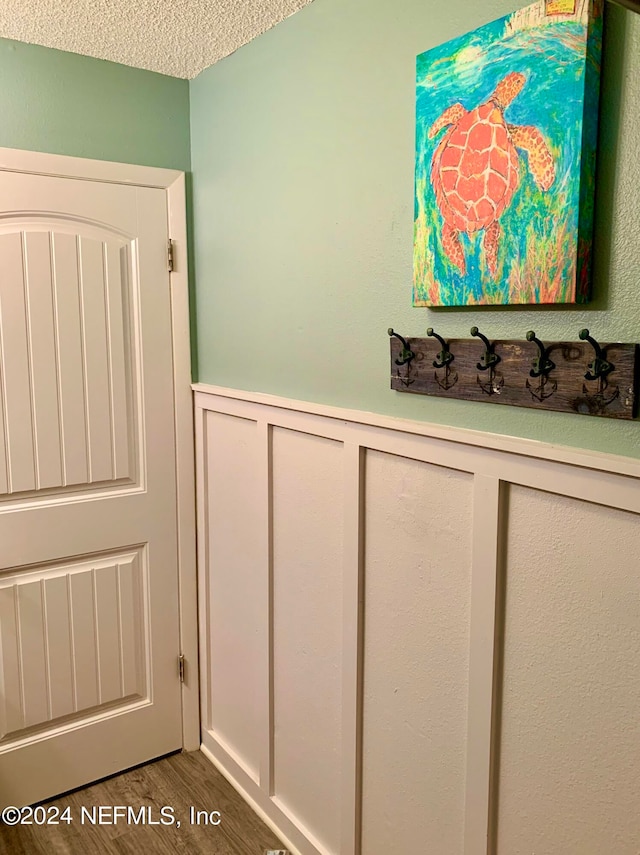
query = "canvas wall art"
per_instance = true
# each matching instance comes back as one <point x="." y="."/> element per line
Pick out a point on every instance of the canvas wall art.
<point x="506" y="128"/>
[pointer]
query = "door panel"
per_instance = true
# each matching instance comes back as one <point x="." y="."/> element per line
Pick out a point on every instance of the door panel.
<point x="88" y="538"/>
<point x="69" y="369"/>
<point x="85" y="644"/>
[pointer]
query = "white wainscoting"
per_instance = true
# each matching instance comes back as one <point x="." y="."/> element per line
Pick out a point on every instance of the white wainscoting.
<point x="415" y="638"/>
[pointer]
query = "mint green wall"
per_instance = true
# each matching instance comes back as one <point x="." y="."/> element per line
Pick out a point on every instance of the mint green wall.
<point x="302" y="153"/>
<point x="64" y="103"/>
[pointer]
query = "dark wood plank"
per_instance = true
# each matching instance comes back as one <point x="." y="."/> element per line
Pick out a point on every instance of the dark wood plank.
<point x="565" y="390"/>
<point x="180" y="781"/>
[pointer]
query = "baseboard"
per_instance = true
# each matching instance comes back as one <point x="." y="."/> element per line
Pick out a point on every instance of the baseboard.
<point x="267" y="813"/>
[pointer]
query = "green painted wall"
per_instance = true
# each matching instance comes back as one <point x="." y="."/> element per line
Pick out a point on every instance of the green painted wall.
<point x="64" y="103"/>
<point x="302" y="153"/>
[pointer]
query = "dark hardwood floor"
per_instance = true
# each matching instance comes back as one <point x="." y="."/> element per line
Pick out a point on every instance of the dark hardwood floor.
<point x="180" y="782"/>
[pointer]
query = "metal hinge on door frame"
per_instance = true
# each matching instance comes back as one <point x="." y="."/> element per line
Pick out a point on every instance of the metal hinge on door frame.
<point x="170" y="256"/>
<point x="181" y="667"/>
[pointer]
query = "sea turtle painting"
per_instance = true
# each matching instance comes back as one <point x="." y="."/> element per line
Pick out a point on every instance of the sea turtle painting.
<point x="476" y="167"/>
<point x="506" y="132"/>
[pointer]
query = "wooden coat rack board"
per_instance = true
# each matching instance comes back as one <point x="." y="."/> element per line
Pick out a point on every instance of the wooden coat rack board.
<point x="566" y="376"/>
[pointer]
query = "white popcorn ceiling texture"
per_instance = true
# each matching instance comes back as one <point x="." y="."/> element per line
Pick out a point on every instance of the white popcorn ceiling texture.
<point x="176" y="37"/>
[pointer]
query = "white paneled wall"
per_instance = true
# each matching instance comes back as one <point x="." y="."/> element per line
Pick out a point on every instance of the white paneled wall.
<point x="416" y="653"/>
<point x="418" y="639"/>
<point x="233" y="607"/>
<point x="569" y="774"/>
<point x="307" y="629"/>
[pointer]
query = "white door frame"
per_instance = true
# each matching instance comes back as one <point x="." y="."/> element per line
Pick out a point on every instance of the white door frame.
<point x="173" y="181"/>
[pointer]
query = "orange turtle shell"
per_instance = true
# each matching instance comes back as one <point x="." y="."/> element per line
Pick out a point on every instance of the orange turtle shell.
<point x="474" y="171"/>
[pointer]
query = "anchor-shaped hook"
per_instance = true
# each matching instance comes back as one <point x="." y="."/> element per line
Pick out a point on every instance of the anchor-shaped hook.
<point x="598" y="369"/>
<point x="541" y="364"/>
<point x="445" y="356"/>
<point x="443" y="360"/>
<point x="406" y="356"/>
<point x="489" y="358"/>
<point x="488" y="361"/>
<point x="542" y="367"/>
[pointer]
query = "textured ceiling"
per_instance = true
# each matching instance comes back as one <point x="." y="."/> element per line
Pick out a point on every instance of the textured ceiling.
<point x="177" y="37"/>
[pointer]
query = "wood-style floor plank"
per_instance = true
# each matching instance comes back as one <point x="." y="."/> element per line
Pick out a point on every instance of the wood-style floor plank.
<point x="180" y="781"/>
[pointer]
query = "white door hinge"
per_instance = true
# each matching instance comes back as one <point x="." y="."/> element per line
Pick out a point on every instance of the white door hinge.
<point x="170" y="256"/>
<point x="181" y="667"/>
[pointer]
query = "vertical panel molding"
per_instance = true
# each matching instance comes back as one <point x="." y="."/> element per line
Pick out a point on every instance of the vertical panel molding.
<point x="202" y="493"/>
<point x="265" y="596"/>
<point x="352" y="647"/>
<point x="482" y="659"/>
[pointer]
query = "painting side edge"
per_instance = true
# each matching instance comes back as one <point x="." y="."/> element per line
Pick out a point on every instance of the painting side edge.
<point x="588" y="166"/>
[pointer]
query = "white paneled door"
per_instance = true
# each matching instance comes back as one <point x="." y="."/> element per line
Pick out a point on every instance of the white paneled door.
<point x="89" y="634"/>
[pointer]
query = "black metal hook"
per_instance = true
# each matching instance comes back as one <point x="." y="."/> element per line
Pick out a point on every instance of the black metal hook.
<point x="489" y="358"/>
<point x="600" y="367"/>
<point x="445" y="357"/>
<point x="407" y="354"/>
<point x="542" y="364"/>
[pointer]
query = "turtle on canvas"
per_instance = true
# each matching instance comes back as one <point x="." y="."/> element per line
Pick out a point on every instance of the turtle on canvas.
<point x="475" y="169"/>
